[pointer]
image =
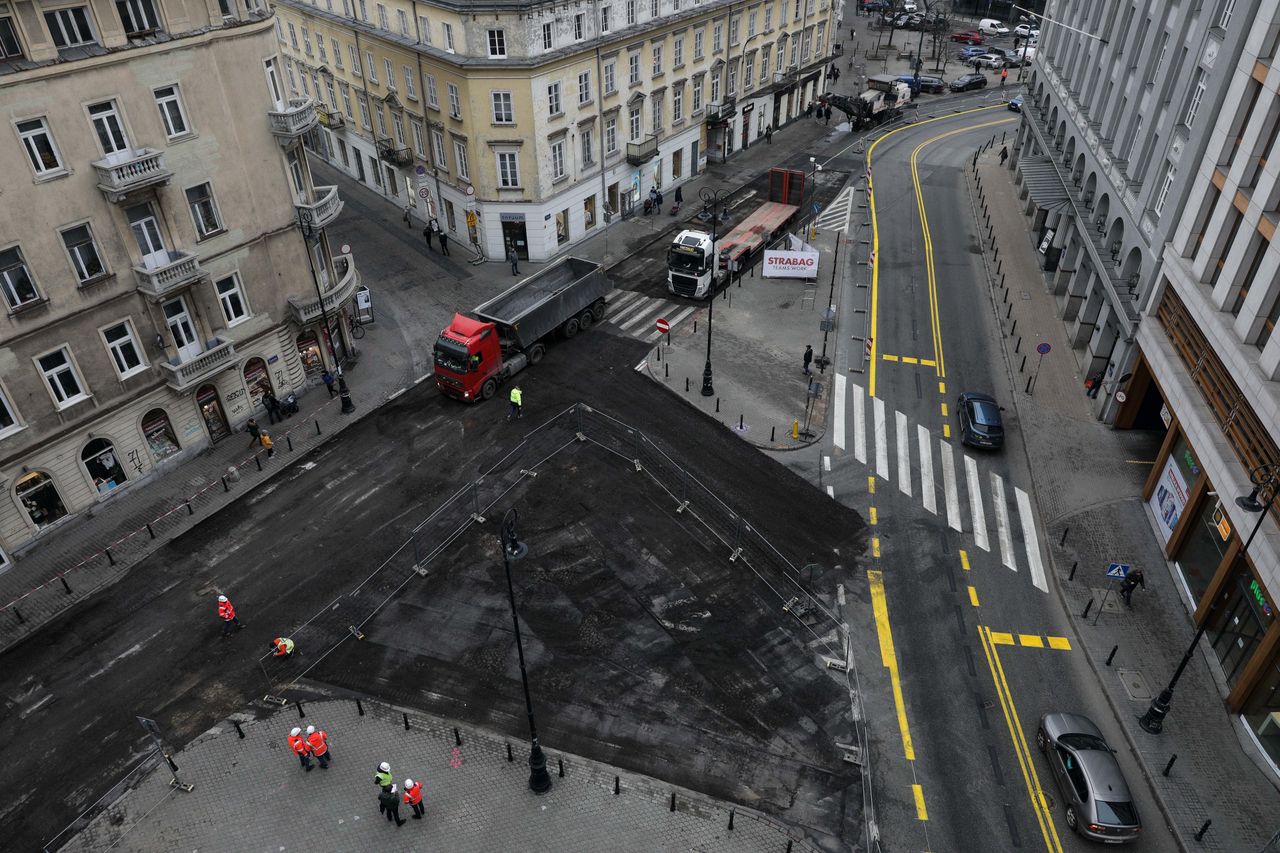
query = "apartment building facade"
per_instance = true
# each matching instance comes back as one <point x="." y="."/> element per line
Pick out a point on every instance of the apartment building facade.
<point x="153" y="177"/>
<point x="532" y="124"/>
<point x="1169" y="181"/>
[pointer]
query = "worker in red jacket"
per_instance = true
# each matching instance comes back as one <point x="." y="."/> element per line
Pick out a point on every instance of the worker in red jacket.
<point x="298" y="744"/>
<point x="318" y="741"/>
<point x="227" y="611"/>
<point x="413" y="797"/>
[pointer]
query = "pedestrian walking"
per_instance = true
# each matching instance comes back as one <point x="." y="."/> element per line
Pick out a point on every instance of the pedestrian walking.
<point x="1004" y="75"/>
<point x="513" y="259"/>
<point x="426" y="232"/>
<point x="679" y="196"/>
<point x="1131" y="582"/>
<point x="251" y="427"/>
<point x="413" y="797"/>
<point x="283" y="647"/>
<point x="517" y="404"/>
<point x="768" y="134"/>
<point x="808" y="360"/>
<point x="228" y="613"/>
<point x="444" y="243"/>
<point x="382" y="777"/>
<point x="273" y="407"/>
<point x="318" y="742"/>
<point x="408" y="223"/>
<point x="267" y="443"/>
<point x="826" y="116"/>
<point x="327" y="378"/>
<point x="1017" y="42"/>
<point x="298" y="744"/>
<point x="434" y="225"/>
<point x="389" y="804"/>
<point x="1004" y="154"/>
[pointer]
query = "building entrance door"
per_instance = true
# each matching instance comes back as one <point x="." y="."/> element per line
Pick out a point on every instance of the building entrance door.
<point x="184" y="335"/>
<point x="514" y="234"/>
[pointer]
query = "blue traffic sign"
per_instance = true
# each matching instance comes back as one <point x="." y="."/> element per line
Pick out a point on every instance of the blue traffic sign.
<point x="1118" y="570"/>
<point x="1043" y="349"/>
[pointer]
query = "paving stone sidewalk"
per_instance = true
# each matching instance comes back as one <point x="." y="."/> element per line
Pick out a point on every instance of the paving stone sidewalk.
<point x="1088" y="482"/>
<point x="251" y="794"/>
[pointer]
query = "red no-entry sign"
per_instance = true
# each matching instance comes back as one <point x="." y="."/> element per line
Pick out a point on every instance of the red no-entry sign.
<point x="663" y="325"/>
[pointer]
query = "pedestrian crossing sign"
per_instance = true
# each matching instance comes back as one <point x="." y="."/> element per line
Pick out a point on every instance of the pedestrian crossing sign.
<point x="1118" y="570"/>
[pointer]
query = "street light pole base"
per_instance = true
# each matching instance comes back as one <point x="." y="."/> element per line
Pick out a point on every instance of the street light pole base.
<point x="707" y="389"/>
<point x="345" y="393"/>
<point x="1153" y="720"/>
<point x="539" y="778"/>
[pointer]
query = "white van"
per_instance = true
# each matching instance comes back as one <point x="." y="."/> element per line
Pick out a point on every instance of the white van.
<point x="992" y="27"/>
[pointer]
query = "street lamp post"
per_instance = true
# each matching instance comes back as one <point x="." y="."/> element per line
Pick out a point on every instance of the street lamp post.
<point x="711" y="199"/>
<point x="1265" y="478"/>
<point x="514" y="549"/>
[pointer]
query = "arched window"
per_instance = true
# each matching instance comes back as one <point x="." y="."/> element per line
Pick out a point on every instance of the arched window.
<point x="256" y="379"/>
<point x="102" y="463"/>
<point x="309" y="350"/>
<point x="40" y="498"/>
<point x="161" y="438"/>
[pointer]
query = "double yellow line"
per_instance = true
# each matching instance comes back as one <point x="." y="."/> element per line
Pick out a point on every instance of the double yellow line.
<point x="1026" y="761"/>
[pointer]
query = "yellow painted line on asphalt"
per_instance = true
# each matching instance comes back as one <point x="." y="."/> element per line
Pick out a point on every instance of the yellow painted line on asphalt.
<point x="1032" y="640"/>
<point x="871" y="485"/>
<point x="875" y="546"/>
<point x="921" y="812"/>
<point x="973" y="596"/>
<point x="928" y="362"/>
<point x="875" y="236"/>
<point x="944" y="410"/>
<point x="946" y="430"/>
<point x="964" y="559"/>
<point x="888" y="357"/>
<point x="1062" y="644"/>
<point x="907" y="359"/>
<point x="875" y="580"/>
<point x="942" y="388"/>
<point x="1001" y="639"/>
<point x="873" y="514"/>
<point x="1025" y="761"/>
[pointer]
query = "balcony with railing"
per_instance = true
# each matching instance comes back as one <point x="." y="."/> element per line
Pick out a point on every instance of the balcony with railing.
<point x="126" y="172"/>
<point x="296" y="119"/>
<point x="721" y="111"/>
<point x="180" y="271"/>
<point x="348" y="279"/>
<point x="186" y="374"/>
<point x="639" y="153"/>
<point x="389" y="153"/>
<point x="323" y="208"/>
<point x="331" y="119"/>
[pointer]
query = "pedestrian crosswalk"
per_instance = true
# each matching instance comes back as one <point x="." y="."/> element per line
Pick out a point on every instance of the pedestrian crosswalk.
<point x="972" y="504"/>
<point x="637" y="314"/>
<point x="836" y="215"/>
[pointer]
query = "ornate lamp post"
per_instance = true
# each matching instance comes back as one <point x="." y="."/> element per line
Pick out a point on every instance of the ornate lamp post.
<point x="514" y="549"/>
<point x="711" y="199"/>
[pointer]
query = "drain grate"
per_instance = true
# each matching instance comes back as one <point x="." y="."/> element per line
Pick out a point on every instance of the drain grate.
<point x="1135" y="685"/>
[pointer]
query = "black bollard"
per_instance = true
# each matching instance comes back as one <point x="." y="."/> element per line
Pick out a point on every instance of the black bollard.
<point x="149" y="530"/>
<point x="1169" y="766"/>
<point x="360" y="707"/>
<point x="1013" y="329"/>
<point x="788" y="845"/>
<point x="673" y="801"/>
<point x="740" y="427"/>
<point x="317" y="426"/>
<point x="996" y="256"/>
<point x="617" y="786"/>
<point x="1029" y="380"/>
<point x="1008" y="312"/>
<point x="225" y="487"/>
<point x="301" y="712"/>
<point x="110" y="559"/>
<point x="457" y="738"/>
<point x="1112" y="655"/>
<point x="65" y="585"/>
<point x="1017" y="348"/>
<point x="345" y="393"/>
<point x="190" y="511"/>
<point x="511" y="757"/>
<point x="1203" y="830"/>
<point x="1072" y="576"/>
<point x="561" y="768"/>
<point x="18" y="613"/>
<point x="771" y="432"/>
<point x="1087" y="608"/>
<point x="1063" y="540"/>
<point x="288" y="439"/>
<point x="666" y="370"/>
<point x="1023" y="366"/>
<point x="731" y="818"/>
<point x="406" y="721"/>
<point x="686" y="384"/>
<point x="239" y="730"/>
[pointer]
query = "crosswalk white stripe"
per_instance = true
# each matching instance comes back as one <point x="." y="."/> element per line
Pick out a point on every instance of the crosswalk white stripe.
<point x="655" y="335"/>
<point x="626" y="297"/>
<point x="837" y="425"/>
<point x="1002" y="521"/>
<point x="882" y="439"/>
<point x="927" y="495"/>
<point x="904" y="453"/>
<point x="652" y="309"/>
<point x="612" y="293"/>
<point x="682" y="315"/>
<point x="831" y="491"/>
<point x="859" y="423"/>
<point x="975" y="504"/>
<point x="1032" y="541"/>
<point x="949" y="484"/>
<point x="625" y="308"/>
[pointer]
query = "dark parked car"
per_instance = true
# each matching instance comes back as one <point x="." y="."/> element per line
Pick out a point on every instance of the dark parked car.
<point x="1099" y="805"/>
<point x="967" y="82"/>
<point x="967" y="37"/>
<point x="1015" y="105"/>
<point x="967" y="53"/>
<point x="876" y="6"/>
<point x="923" y="83"/>
<point x="980" y="421"/>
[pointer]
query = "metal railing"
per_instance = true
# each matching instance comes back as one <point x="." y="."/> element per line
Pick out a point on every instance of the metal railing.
<point x="143" y="168"/>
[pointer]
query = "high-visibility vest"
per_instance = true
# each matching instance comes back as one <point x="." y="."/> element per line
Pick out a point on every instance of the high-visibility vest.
<point x="382" y="780"/>
<point x="284" y="646"/>
<point x="319" y="742"/>
<point x="226" y="611"/>
<point x="515" y="396"/>
<point x="298" y="745"/>
<point x="413" y="796"/>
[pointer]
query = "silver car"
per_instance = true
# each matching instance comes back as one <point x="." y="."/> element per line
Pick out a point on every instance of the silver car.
<point x="1099" y="805"/>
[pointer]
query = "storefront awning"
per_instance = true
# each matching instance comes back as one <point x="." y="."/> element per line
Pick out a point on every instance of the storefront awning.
<point x="1040" y="177"/>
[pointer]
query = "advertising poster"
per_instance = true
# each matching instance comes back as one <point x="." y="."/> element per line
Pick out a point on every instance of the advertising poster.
<point x="1170" y="498"/>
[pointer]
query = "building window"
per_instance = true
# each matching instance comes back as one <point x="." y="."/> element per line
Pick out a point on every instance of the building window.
<point x="657" y="60"/>
<point x="138" y="17"/>
<point x="611" y="135"/>
<point x="633" y="67"/>
<point x="363" y="103"/>
<point x="16" y="282"/>
<point x="751" y="23"/>
<point x="635" y="123"/>
<point x="604" y="19"/>
<point x="497" y="43"/>
<point x="382" y="17"/>
<point x="402" y="19"/>
<point x="382" y="121"/>
<point x="437" y="149"/>
<point x="40" y="498"/>
<point x="610" y="79"/>
<point x="355" y="60"/>
<point x="557" y="159"/>
<point x="584" y="87"/>
<point x="410" y="88"/>
<point x="1165" y="186"/>
<point x="69" y="27"/>
<point x="10" y="48"/>
<point x="554" y="107"/>
<point x="697" y="44"/>
<point x="306" y="41"/>
<point x="764" y="66"/>
<point x="503" y="112"/>
<point x="748" y="72"/>
<point x="8" y="415"/>
<point x="231" y="298"/>
<point x="548" y="36"/>
<point x="717" y="38"/>
<point x="203" y="210"/>
<point x="60" y="374"/>
<point x="584" y="136"/>
<point x="768" y="17"/>
<point x="455" y="101"/>
<point x="124" y="350"/>
<point x="1268" y="324"/>
<point x="460" y="159"/>
<point x="85" y="259"/>
<point x="106" y="123"/>
<point x="372" y="66"/>
<point x="433" y="97"/>
<point x="324" y="54"/>
<point x="424" y="29"/>
<point x="447" y="29"/>
<point x="171" y="113"/>
<point x="38" y="142"/>
<point x="508" y="169"/>
<point x="418" y="145"/>
<point x="346" y="100"/>
<point x="1197" y="95"/>
<point x="293" y="36"/>
<point x="677" y="103"/>
<point x="677" y="53"/>
<point x="273" y="82"/>
<point x="390" y="71"/>
<point x="715" y="88"/>
<point x="697" y="95"/>
<point x="631" y="13"/>
<point x="656" y="111"/>
<point x="653" y="8"/>
<point x="1224" y="17"/>
<point x="733" y="31"/>
<point x="337" y="53"/>
<point x="397" y="124"/>
<point x="579" y="26"/>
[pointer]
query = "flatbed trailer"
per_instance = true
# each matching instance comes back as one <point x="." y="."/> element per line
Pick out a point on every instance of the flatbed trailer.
<point x="754" y="232"/>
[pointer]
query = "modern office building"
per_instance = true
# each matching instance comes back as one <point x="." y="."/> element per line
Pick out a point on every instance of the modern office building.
<point x="153" y="181"/>
<point x="1151" y="165"/>
<point x="531" y="124"/>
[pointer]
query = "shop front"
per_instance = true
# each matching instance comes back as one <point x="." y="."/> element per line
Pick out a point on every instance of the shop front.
<point x="515" y="234"/>
<point x="211" y="411"/>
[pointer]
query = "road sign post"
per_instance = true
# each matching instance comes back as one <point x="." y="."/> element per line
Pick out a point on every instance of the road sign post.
<point x="1043" y="349"/>
<point x="153" y="729"/>
<point x="1115" y="572"/>
<point x="664" y="328"/>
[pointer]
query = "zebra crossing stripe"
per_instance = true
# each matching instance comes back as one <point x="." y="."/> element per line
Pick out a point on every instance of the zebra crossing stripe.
<point x="1032" y="540"/>
<point x="651" y="308"/>
<point x="904" y="454"/>
<point x="949" y="484"/>
<point x="628" y="304"/>
<point x="859" y="424"/>
<point x="927" y="494"/>
<point x="1002" y="522"/>
<point x="655" y="335"/>
<point x="837" y="426"/>
<point x="882" y="439"/>
<point x="975" y="504"/>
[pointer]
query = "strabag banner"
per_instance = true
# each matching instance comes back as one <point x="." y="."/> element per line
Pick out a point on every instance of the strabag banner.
<point x="790" y="264"/>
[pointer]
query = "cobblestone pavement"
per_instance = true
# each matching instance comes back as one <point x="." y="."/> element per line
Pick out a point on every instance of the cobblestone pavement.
<point x="251" y="794"/>
<point x="1088" y="481"/>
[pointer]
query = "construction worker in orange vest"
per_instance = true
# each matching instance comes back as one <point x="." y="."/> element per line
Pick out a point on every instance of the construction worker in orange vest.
<point x="228" y="613"/>
<point x="319" y="743"/>
<point x="413" y="797"/>
<point x="283" y="647"/>
<point x="298" y="744"/>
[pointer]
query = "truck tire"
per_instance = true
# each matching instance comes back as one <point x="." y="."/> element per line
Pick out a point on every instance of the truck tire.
<point x="585" y="319"/>
<point x="597" y="310"/>
<point x="536" y="352"/>
<point x="488" y="389"/>
<point x="570" y="327"/>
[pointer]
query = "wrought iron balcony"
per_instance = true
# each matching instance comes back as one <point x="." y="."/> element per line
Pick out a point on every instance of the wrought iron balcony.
<point x="182" y="270"/>
<point x="639" y="153"/>
<point x="128" y="171"/>
<point x="722" y="111"/>
<point x="308" y="310"/>
<point x="389" y="153"/>
<point x="323" y="209"/>
<point x="331" y="119"/>
<point x="294" y="120"/>
<point x="185" y="374"/>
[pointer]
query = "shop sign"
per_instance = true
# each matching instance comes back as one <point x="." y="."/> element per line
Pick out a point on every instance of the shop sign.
<point x="1259" y="596"/>
<point x="273" y="359"/>
<point x="1221" y="522"/>
<point x="511" y="217"/>
<point x="1169" y="498"/>
<point x="1046" y="241"/>
<point x="1165" y="416"/>
<point x="790" y="264"/>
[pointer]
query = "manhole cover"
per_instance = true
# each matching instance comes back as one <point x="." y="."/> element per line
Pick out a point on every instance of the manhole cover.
<point x="1135" y="685"/>
<point x="1109" y="600"/>
<point x="1026" y="294"/>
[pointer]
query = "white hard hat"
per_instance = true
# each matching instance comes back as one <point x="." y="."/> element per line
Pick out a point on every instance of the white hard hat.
<point x="384" y="767"/>
<point x="311" y="730"/>
<point x="408" y="783"/>
<point x="296" y="731"/>
<point x="222" y="598"/>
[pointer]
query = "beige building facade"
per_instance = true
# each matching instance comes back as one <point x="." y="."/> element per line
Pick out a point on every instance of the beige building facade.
<point x="153" y="180"/>
<point x="532" y="125"/>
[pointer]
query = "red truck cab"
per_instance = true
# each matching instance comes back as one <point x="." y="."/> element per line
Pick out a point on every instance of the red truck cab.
<point x="468" y="358"/>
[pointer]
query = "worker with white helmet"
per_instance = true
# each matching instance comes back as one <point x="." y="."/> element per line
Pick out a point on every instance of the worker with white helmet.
<point x="413" y="796"/>
<point x="383" y="777"/>
<point x="318" y="741"/>
<point x="228" y="613"/>
<point x="300" y="748"/>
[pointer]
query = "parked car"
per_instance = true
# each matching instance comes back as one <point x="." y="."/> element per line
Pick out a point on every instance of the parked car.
<point x="979" y="414"/>
<point x="967" y="37"/>
<point x="967" y="53"/>
<point x="925" y="83"/>
<point x="1026" y="31"/>
<point x="992" y="27"/>
<point x="909" y="6"/>
<point x="1099" y="805"/>
<point x="1015" y="104"/>
<point x="876" y="6"/>
<point x="990" y="60"/>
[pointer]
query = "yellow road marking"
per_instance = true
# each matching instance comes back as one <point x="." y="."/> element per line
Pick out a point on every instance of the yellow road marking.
<point x="1025" y="763"/>
<point x="918" y="793"/>
<point x="875" y="546"/>
<point x="1032" y="640"/>
<point x="942" y="388"/>
<point x="1062" y="644"/>
<point x="928" y="362"/>
<point x="964" y="559"/>
<point x="873" y="515"/>
<point x="887" y="357"/>
<point x="946" y="430"/>
<point x="944" y="410"/>
<point x="973" y="596"/>
<point x="1001" y="639"/>
<point x="871" y="485"/>
<point x="875" y="580"/>
<point x="906" y="359"/>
